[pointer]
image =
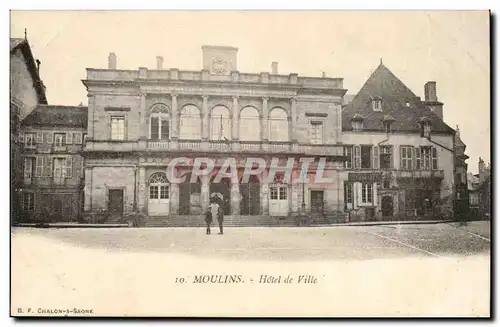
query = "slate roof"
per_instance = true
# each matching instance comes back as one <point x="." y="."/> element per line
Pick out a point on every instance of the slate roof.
<point x="61" y="116"/>
<point x="395" y="95"/>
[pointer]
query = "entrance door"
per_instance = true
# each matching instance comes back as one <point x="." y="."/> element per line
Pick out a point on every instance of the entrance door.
<point x="221" y="193"/>
<point x="317" y="201"/>
<point x="278" y="200"/>
<point x="189" y="198"/>
<point x="159" y="195"/>
<point x="387" y="206"/>
<point x="250" y="196"/>
<point x="115" y="206"/>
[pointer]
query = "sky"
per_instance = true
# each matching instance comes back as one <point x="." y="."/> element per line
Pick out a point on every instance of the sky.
<point x="449" y="47"/>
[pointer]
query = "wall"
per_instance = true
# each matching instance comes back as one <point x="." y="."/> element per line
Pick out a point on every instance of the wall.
<point x="331" y="123"/>
<point x="21" y="84"/>
<point x="104" y="178"/>
<point x="100" y="118"/>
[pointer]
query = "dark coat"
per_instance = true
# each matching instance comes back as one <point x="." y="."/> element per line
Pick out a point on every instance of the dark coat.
<point x="220" y="214"/>
<point x="208" y="217"/>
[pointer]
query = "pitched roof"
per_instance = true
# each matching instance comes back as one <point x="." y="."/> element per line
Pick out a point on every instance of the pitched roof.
<point x="23" y="45"/>
<point x="62" y="116"/>
<point x="398" y="101"/>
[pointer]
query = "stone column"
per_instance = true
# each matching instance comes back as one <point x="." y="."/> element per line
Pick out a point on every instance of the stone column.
<point x="204" y="117"/>
<point x="174" y="198"/>
<point x="175" y="117"/>
<point x="141" y="201"/>
<point x="293" y="123"/>
<point x="294" y="198"/>
<point x="205" y="193"/>
<point x="143" y="111"/>
<point x="235" y="199"/>
<point x="264" y="121"/>
<point x="235" y="126"/>
<point x="88" y="190"/>
<point x="90" y="117"/>
<point x="264" y="203"/>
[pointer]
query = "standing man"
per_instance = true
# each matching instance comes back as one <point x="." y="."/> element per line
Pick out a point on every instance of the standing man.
<point x="208" y="220"/>
<point x="220" y="219"/>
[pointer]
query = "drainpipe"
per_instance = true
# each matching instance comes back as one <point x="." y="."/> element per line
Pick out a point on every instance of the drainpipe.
<point x="135" y="190"/>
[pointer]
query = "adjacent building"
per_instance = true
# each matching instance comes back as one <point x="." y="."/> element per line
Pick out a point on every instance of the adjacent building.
<point x="400" y="154"/>
<point x="140" y="120"/>
<point x="26" y="92"/>
<point x="52" y="184"/>
<point x="479" y="190"/>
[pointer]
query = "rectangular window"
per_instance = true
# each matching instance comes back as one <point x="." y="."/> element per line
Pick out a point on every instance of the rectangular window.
<point x="28" y="167"/>
<point x="348" y="154"/>
<point x="49" y="136"/>
<point x="376" y="157"/>
<point x="39" y="167"/>
<point x="406" y="158"/>
<point x="153" y="192"/>
<point x="348" y="193"/>
<point x="427" y="130"/>
<point x="418" y="158"/>
<point x="69" y="138"/>
<point x="387" y="127"/>
<point x="367" y="193"/>
<point x="386" y="157"/>
<point x="69" y="167"/>
<point x="28" y="201"/>
<point x="366" y="156"/>
<point x="48" y="166"/>
<point x="39" y="137"/>
<point x="59" y="168"/>
<point x="377" y="105"/>
<point x="165" y="129"/>
<point x="118" y="128"/>
<point x="357" y="125"/>
<point x="30" y="140"/>
<point x="59" y="139"/>
<point x="164" y="192"/>
<point x="155" y="128"/>
<point x="357" y="156"/>
<point x="77" y="138"/>
<point x="426" y="158"/>
<point x="434" y="158"/>
<point x="316" y="132"/>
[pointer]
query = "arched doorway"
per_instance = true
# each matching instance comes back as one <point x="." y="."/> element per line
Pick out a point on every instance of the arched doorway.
<point x="159" y="195"/>
<point x="250" y="196"/>
<point x="189" y="196"/>
<point x="221" y="193"/>
<point x="387" y="206"/>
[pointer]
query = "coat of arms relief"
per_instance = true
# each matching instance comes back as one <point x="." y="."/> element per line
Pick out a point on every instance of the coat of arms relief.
<point x="219" y="66"/>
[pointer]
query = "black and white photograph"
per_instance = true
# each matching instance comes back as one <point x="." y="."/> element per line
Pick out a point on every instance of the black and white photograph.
<point x="170" y="163"/>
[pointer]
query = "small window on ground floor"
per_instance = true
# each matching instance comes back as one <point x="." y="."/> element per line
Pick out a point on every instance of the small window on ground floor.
<point x="29" y="201"/>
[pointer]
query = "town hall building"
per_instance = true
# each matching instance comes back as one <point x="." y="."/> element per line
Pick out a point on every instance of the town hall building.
<point x="140" y="120"/>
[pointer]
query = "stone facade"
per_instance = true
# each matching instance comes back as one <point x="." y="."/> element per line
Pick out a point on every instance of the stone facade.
<point x="138" y="121"/>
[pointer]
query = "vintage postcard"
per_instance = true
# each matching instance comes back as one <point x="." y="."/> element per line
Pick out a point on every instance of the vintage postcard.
<point x="250" y="163"/>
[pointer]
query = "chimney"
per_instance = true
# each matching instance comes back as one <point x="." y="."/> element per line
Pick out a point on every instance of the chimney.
<point x="430" y="92"/>
<point x="38" y="63"/>
<point x="159" y="63"/>
<point x="431" y="99"/>
<point x="481" y="165"/>
<point x="112" y="60"/>
<point x="274" y="68"/>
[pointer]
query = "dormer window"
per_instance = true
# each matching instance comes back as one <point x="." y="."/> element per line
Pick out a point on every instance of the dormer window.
<point x="425" y="127"/>
<point x="377" y="104"/>
<point x="357" y="122"/>
<point x="387" y="121"/>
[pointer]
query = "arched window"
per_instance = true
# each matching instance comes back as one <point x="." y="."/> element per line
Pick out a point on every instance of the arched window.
<point x="249" y="124"/>
<point x="159" y="122"/>
<point x="220" y="123"/>
<point x="190" y="123"/>
<point x="278" y="125"/>
<point x="158" y="187"/>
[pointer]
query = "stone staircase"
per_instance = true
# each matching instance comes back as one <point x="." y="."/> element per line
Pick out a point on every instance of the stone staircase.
<point x="229" y="221"/>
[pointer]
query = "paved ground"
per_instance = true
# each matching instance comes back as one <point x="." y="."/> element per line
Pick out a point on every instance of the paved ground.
<point x="417" y="270"/>
<point x="322" y="243"/>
